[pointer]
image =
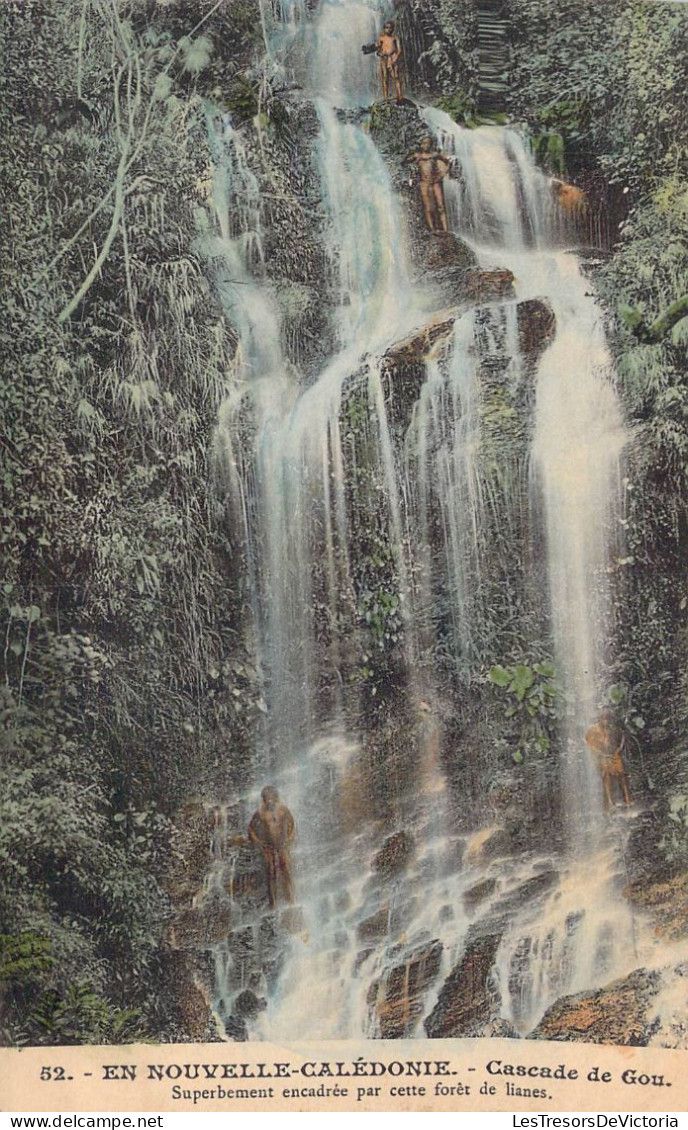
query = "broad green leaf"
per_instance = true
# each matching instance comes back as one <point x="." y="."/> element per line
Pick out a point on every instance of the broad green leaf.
<point x="500" y="676"/>
<point x="523" y="679"/>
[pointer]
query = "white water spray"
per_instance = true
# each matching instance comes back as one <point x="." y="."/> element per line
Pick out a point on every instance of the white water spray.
<point x="360" y="931"/>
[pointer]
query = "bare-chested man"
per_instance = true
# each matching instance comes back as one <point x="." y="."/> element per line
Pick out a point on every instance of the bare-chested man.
<point x="272" y="830"/>
<point x="389" y="50"/>
<point x="432" y="167"/>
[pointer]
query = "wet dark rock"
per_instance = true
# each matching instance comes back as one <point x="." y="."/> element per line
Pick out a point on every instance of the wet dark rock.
<point x="270" y="950"/>
<point x="218" y="920"/>
<point x="418" y="346"/>
<point x="236" y="1029"/>
<point x="619" y="1013"/>
<point x="294" y="239"/>
<point x="444" y="249"/>
<point x="241" y="942"/>
<point x="186" y="931"/>
<point x="468" y="1000"/>
<point x="362" y="956"/>
<point x="397" y="130"/>
<point x="193" y="832"/>
<point x="478" y="893"/>
<point x="536" y="325"/>
<point x="388" y="922"/>
<point x="533" y="888"/>
<point x="446" y="913"/>
<point x="646" y="859"/>
<point x="397" y="998"/>
<point x="375" y="927"/>
<point x="666" y="902"/>
<point x="394" y="855"/>
<point x="501" y="1029"/>
<point x="491" y="843"/>
<point x="404" y="364"/>
<point x="268" y="929"/>
<point x="443" y="260"/>
<point x="488" y="286"/>
<point x="447" y="263"/>
<point x="245" y="879"/>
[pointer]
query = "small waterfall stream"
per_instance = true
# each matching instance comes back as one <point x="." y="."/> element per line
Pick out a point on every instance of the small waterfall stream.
<point x="369" y="943"/>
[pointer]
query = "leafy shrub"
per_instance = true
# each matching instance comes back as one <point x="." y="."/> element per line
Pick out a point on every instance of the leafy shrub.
<point x="531" y="695"/>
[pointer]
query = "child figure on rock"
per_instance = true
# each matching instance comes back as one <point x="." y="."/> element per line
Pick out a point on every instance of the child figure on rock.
<point x="388" y="49"/>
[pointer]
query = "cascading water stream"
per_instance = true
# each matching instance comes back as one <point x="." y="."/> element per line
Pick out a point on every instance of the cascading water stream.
<point x="442" y="471"/>
<point x="578" y="433"/>
<point x="502" y="206"/>
<point x="289" y="485"/>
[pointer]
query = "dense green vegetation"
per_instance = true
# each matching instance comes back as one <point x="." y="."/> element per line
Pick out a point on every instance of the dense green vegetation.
<point x="611" y="83"/>
<point x="125" y="679"/>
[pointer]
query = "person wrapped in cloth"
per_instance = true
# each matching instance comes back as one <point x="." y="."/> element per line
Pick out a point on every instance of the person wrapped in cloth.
<point x="272" y="830"/>
<point x="606" y="740"/>
<point x="388" y="49"/>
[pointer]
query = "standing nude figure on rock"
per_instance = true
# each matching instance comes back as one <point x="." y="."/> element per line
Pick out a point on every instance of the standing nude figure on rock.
<point x="432" y="167"/>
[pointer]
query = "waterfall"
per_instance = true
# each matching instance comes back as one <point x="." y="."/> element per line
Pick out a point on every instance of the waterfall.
<point x="368" y="943"/>
<point x="502" y="206"/>
<point x="288" y="485"/>
<point x="576" y="448"/>
<point x="578" y="433"/>
<point x="442" y="453"/>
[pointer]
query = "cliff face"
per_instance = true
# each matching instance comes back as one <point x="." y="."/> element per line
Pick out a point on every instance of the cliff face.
<point x="138" y="722"/>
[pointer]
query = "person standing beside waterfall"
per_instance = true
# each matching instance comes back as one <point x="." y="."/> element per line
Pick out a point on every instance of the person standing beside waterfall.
<point x="432" y="167"/>
<point x="568" y="196"/>
<point x="388" y="48"/>
<point x="272" y="830"/>
<point x="606" y="740"/>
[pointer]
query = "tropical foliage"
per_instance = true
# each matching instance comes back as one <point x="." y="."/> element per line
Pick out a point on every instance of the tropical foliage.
<point x="119" y="654"/>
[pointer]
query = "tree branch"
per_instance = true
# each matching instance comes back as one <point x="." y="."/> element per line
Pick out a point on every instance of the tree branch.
<point x="129" y="156"/>
<point x="105" y="249"/>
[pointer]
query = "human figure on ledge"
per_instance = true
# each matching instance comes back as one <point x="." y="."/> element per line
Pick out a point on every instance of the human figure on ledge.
<point x="388" y="48"/>
<point x="568" y="196"/>
<point x="272" y="830"/>
<point x="606" y="740"/>
<point x="432" y="167"/>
